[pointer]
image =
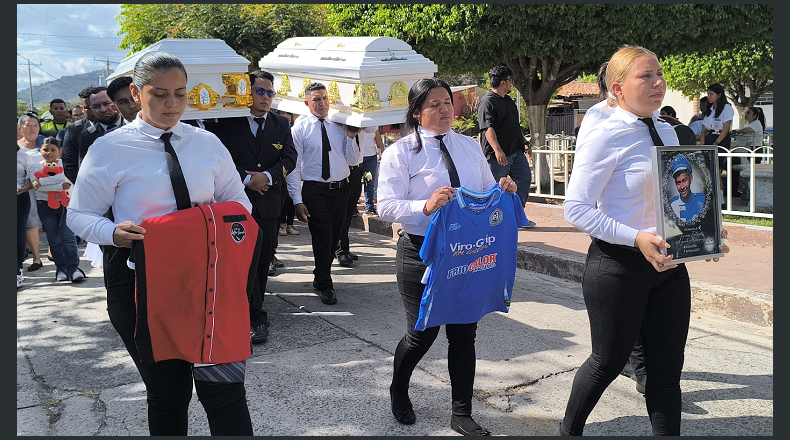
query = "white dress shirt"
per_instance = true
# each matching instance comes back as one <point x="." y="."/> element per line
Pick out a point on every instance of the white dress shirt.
<point x="308" y="143"/>
<point x="613" y="168"/>
<point x="592" y="117"/>
<point x="716" y="123"/>
<point x="357" y="149"/>
<point x="126" y="169"/>
<point x="407" y="179"/>
<point x="756" y="138"/>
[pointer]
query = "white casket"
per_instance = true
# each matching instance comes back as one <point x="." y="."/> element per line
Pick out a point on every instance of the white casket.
<point x="367" y="78"/>
<point x="217" y="82"/>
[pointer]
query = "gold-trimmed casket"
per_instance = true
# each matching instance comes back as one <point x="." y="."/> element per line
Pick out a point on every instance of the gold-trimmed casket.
<point x="367" y="78"/>
<point x="217" y="82"/>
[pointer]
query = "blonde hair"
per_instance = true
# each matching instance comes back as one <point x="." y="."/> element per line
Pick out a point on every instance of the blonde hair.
<point x="621" y="64"/>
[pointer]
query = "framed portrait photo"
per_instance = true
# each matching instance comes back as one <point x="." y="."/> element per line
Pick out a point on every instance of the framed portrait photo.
<point x="688" y="201"/>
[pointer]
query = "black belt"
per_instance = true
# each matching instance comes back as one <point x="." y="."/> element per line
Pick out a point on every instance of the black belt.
<point x="623" y="246"/>
<point x="330" y="185"/>
<point x="351" y="167"/>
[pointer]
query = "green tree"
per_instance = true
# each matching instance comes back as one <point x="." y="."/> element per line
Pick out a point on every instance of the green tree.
<point x="548" y="45"/>
<point x="251" y="30"/>
<point x="745" y="72"/>
<point x="21" y="106"/>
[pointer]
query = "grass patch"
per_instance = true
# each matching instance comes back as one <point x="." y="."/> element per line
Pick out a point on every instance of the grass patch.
<point x="754" y="221"/>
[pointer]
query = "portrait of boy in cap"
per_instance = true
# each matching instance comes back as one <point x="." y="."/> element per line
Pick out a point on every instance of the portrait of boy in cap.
<point x="687" y="205"/>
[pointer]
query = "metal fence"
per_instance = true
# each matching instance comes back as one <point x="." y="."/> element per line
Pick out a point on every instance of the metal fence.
<point x="559" y="151"/>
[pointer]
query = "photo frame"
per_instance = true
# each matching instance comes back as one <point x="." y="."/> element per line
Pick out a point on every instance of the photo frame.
<point x="687" y="191"/>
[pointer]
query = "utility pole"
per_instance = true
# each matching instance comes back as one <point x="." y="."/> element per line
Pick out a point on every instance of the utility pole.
<point x="107" y="61"/>
<point x="30" y="81"/>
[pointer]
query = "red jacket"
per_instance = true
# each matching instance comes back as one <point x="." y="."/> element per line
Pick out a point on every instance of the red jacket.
<point x="194" y="271"/>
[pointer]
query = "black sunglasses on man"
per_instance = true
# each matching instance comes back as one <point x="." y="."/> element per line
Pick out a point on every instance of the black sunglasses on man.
<point x="262" y="91"/>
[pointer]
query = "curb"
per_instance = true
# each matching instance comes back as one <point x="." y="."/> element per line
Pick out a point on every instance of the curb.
<point x="729" y="302"/>
<point x="747" y="234"/>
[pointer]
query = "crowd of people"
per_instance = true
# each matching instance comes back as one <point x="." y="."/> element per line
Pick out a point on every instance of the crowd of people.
<point x="133" y="161"/>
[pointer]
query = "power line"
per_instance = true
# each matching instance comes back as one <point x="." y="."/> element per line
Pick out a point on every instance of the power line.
<point x="70" y="36"/>
<point x="56" y="78"/>
<point x="47" y="15"/>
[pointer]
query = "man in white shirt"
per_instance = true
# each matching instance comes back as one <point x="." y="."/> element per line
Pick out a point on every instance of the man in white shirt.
<point x="323" y="157"/>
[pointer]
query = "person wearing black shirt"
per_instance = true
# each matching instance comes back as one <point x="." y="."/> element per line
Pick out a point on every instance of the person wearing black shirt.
<point x="501" y="137"/>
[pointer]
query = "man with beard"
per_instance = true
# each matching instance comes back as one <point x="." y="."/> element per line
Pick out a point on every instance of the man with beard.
<point x="70" y="137"/>
<point x="107" y="118"/>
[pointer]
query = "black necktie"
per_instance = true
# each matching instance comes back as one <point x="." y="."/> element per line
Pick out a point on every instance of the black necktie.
<point x="325" y="148"/>
<point x="359" y="148"/>
<point x="652" y="129"/>
<point x="259" y="133"/>
<point x="176" y="175"/>
<point x="448" y="162"/>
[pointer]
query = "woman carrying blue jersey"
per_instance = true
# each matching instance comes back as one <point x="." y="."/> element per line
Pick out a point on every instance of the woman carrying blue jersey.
<point x="414" y="181"/>
<point x="630" y="289"/>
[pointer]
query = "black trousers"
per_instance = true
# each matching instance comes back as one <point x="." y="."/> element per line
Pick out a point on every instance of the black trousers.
<point x="327" y="208"/>
<point x="168" y="383"/>
<point x="461" y="357"/>
<point x="354" y="192"/>
<point x="625" y="298"/>
<point x="288" y="210"/>
<point x="269" y="228"/>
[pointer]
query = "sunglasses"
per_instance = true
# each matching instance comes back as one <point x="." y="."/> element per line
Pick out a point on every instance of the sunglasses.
<point x="262" y="91"/>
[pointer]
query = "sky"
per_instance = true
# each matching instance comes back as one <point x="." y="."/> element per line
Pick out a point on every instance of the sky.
<point x="65" y="39"/>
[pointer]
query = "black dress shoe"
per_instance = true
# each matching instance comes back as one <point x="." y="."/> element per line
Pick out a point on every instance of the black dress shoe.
<point x="353" y="256"/>
<point x="277" y="263"/>
<point x="406" y="415"/>
<point x="345" y="260"/>
<point x="328" y="296"/>
<point x="272" y="270"/>
<point x="467" y="426"/>
<point x="259" y="334"/>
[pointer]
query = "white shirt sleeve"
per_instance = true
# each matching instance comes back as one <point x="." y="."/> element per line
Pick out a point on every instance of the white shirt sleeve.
<point x="91" y="198"/>
<point x="227" y="186"/>
<point x="593" y="167"/>
<point x="293" y="180"/>
<point x="393" y="190"/>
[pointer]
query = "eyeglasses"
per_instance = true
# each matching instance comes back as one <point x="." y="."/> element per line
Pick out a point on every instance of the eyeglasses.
<point x="262" y="91"/>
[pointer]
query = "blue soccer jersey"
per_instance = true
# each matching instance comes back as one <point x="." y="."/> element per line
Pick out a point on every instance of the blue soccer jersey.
<point x="470" y="249"/>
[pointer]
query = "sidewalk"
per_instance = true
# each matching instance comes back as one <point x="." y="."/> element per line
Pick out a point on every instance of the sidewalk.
<point x="739" y="286"/>
<point x="326" y="369"/>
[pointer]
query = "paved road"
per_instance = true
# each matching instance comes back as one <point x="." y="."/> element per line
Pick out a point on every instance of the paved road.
<point x="326" y="369"/>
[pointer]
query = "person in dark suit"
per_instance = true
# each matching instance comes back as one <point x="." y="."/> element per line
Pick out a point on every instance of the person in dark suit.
<point x="263" y="152"/>
<point x="107" y="117"/>
<point x="71" y="137"/>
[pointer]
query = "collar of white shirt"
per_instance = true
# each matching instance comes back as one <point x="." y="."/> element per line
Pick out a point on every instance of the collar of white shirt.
<point x="153" y="132"/>
<point x="252" y="117"/>
<point x="426" y="133"/>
